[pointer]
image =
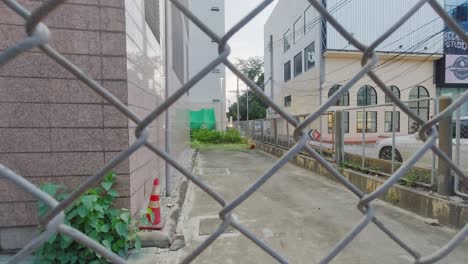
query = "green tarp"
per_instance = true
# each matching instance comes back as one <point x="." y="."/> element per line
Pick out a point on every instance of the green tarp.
<point x="204" y="118"/>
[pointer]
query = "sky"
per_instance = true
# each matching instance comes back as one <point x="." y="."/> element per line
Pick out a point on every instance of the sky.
<point x="248" y="41"/>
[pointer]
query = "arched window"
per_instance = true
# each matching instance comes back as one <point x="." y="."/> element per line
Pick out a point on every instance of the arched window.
<point x="343" y="100"/>
<point x="394" y="90"/>
<point x="420" y="108"/>
<point x="366" y="96"/>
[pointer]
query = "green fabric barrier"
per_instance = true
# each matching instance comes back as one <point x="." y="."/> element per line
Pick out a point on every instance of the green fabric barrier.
<point x="204" y="118"/>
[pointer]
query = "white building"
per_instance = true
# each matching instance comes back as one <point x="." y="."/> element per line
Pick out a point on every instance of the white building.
<point x="308" y="59"/>
<point x="210" y="91"/>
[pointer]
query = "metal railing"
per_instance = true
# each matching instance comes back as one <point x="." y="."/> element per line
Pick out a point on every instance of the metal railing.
<point x="39" y="36"/>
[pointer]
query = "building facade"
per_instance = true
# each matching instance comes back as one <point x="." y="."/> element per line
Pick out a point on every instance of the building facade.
<point x="54" y="129"/>
<point x="209" y="92"/>
<point x="308" y="60"/>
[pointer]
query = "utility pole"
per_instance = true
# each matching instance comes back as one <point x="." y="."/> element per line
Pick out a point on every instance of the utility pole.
<point x="221" y="127"/>
<point x="247" y="105"/>
<point x="238" y="102"/>
<point x="271" y="69"/>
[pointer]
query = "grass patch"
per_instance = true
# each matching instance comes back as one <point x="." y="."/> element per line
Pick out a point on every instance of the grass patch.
<point x="195" y="144"/>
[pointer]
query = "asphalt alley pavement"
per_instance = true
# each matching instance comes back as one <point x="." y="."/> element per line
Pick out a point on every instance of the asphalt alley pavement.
<point x="298" y="213"/>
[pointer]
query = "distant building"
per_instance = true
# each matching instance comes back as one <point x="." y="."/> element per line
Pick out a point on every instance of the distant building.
<point x="210" y="92"/>
<point x="452" y="69"/>
<point x="308" y="60"/>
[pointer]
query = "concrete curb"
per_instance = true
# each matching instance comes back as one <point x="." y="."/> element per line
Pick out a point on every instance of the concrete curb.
<point x="447" y="212"/>
<point x="167" y="237"/>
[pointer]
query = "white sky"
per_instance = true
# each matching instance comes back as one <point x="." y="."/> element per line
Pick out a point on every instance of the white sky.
<point x="248" y="41"/>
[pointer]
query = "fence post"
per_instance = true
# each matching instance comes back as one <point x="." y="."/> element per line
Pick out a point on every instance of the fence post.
<point x="444" y="178"/>
<point x="339" y="137"/>
<point x="275" y="124"/>
<point x="261" y="133"/>
<point x="287" y="134"/>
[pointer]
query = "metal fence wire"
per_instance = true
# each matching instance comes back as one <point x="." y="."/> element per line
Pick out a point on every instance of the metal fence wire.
<point x="39" y="36"/>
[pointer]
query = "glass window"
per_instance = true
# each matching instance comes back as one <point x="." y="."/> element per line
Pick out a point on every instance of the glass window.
<point x="287" y="101"/>
<point x="395" y="90"/>
<point x="287" y="71"/>
<point x="298" y="64"/>
<point x="309" y="56"/>
<point x="455" y="93"/>
<point x="369" y="123"/>
<point x="366" y="96"/>
<point x="421" y="108"/>
<point x="331" y="122"/>
<point x="152" y="18"/>
<point x="308" y="19"/>
<point x="297" y="29"/>
<point x="343" y="100"/>
<point x="286" y="43"/>
<point x="389" y="121"/>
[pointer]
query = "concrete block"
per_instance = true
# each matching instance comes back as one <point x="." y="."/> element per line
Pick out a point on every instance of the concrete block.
<point x="71" y="91"/>
<point x="74" y="17"/>
<point x="154" y="239"/>
<point x="123" y="167"/>
<point x="76" y="163"/>
<point x="114" y="68"/>
<point x="118" y="89"/>
<point x="62" y="115"/>
<point x="10" y="35"/>
<point x="113" y="3"/>
<point x="26" y="65"/>
<point x="24" y="140"/>
<point x="16" y="237"/>
<point x="115" y="139"/>
<point x="113" y="43"/>
<point x="17" y="90"/>
<point x="91" y="65"/>
<point x="76" y="41"/>
<point x="24" y="115"/>
<point x="77" y="139"/>
<point x="112" y="19"/>
<point x="18" y="214"/>
<point x="114" y="118"/>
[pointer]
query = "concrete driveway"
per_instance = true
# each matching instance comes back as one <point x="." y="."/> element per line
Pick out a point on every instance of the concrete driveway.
<point x="300" y="214"/>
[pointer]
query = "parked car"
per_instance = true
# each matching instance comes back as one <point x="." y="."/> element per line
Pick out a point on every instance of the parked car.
<point x="406" y="146"/>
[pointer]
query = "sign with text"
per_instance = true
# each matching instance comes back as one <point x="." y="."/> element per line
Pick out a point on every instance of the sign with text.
<point x="456" y="68"/>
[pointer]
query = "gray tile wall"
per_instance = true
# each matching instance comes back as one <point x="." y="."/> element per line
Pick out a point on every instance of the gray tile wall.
<point x="53" y="128"/>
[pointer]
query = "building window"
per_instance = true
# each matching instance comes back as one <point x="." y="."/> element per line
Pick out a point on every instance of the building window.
<point x="366" y="96"/>
<point x="331" y="122"/>
<point x="215" y="9"/>
<point x="298" y="64"/>
<point x="309" y="56"/>
<point x="178" y="44"/>
<point x="394" y="90"/>
<point x="343" y="100"/>
<point x="287" y="71"/>
<point x="287" y="101"/>
<point x="286" y="43"/>
<point x="308" y="19"/>
<point x="152" y="18"/>
<point x="390" y="120"/>
<point x="420" y="108"/>
<point x="297" y="30"/>
<point x="367" y="123"/>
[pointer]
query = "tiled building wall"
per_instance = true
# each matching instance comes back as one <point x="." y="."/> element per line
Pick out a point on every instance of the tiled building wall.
<point x="145" y="92"/>
<point x="53" y="128"/>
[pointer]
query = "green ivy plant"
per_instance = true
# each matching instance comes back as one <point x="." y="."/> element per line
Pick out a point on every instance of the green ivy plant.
<point x="93" y="215"/>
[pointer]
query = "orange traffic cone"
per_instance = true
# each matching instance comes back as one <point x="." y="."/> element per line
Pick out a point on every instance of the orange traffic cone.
<point x="155" y="207"/>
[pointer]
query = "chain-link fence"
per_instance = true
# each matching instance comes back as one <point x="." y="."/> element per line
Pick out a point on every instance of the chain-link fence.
<point x="296" y="137"/>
